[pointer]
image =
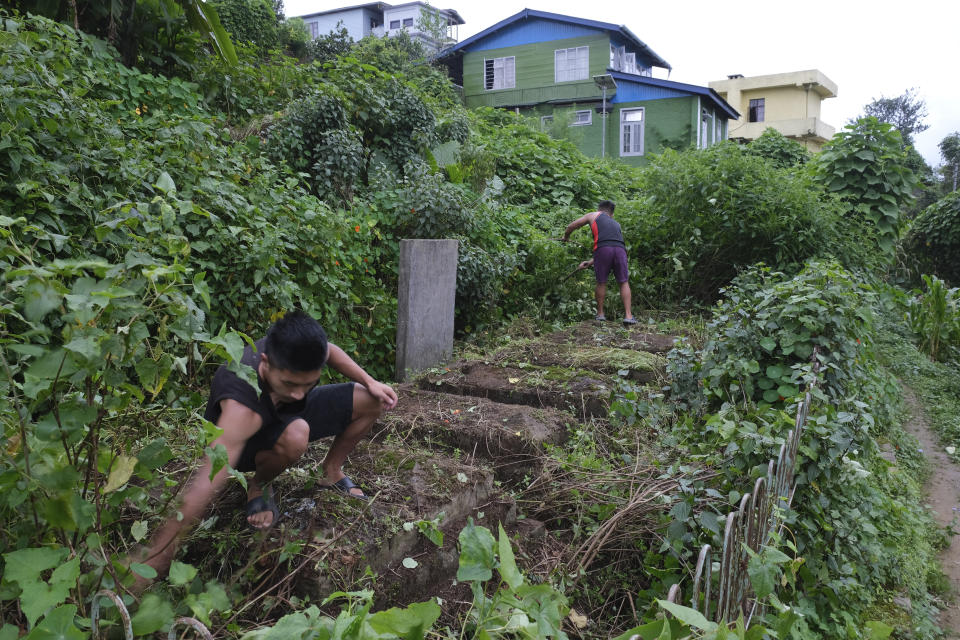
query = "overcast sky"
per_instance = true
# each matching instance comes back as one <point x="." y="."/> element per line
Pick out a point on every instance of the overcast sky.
<point x="869" y="49"/>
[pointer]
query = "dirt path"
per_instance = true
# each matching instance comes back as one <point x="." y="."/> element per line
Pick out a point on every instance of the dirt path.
<point x="944" y="498"/>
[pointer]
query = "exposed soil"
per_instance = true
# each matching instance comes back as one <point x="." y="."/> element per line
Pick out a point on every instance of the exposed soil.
<point x="944" y="500"/>
<point x="455" y="436"/>
<point x="584" y="392"/>
<point x="510" y="437"/>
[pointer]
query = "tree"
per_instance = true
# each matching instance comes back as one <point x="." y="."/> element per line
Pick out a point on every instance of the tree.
<point x="156" y="34"/>
<point x="950" y="151"/>
<point x="253" y="21"/>
<point x="867" y="166"/>
<point x="905" y="112"/>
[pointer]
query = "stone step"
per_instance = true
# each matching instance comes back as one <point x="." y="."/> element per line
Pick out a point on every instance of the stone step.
<point x="510" y="436"/>
<point x="584" y="393"/>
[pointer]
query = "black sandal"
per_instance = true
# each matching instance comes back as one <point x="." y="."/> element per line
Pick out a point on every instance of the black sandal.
<point x="261" y="504"/>
<point x="344" y="485"/>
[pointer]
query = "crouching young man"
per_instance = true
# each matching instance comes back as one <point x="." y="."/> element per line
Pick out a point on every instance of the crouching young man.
<point x="267" y="429"/>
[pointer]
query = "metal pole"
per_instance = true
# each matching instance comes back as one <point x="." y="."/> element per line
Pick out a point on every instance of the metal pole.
<point x="603" y="116"/>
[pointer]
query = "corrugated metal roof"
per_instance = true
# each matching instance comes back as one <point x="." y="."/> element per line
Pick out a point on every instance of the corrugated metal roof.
<point x="704" y="92"/>
<point x="527" y="14"/>
<point x="379" y="6"/>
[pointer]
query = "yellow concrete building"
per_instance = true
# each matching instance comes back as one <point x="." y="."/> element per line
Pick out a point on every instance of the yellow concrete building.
<point x="788" y="102"/>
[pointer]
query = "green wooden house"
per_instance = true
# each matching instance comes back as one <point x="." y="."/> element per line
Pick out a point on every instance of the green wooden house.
<point x="589" y="81"/>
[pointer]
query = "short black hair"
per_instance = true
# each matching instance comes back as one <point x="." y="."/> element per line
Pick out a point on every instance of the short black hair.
<point x="296" y="342"/>
<point x="606" y="205"/>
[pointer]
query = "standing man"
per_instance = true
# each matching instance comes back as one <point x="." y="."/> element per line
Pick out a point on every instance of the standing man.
<point x="609" y="254"/>
<point x="268" y="428"/>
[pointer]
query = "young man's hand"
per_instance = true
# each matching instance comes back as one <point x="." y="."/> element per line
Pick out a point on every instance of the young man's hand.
<point x="384" y="393"/>
<point x="586" y="264"/>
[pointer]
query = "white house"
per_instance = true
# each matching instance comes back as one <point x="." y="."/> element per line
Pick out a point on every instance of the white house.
<point x="382" y="19"/>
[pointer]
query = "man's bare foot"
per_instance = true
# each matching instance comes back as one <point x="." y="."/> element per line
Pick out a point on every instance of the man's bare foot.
<point x="261" y="508"/>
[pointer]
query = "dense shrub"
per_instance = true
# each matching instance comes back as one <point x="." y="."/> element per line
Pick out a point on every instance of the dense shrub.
<point x="778" y="149"/>
<point x="934" y="239"/>
<point x="541" y="173"/>
<point x="250" y="21"/>
<point x="856" y="522"/>
<point x="707" y="214"/>
<point x="257" y="86"/>
<point x="89" y="186"/>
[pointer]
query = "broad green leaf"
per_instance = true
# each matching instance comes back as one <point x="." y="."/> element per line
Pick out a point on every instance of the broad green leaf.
<point x="877" y="630"/>
<point x="153" y="374"/>
<point x="122" y="469"/>
<point x="688" y="616"/>
<point x="508" y="565"/>
<point x="218" y="459"/>
<point x="165" y="183"/>
<point x="213" y="599"/>
<point x="37" y="595"/>
<point x="153" y="614"/>
<point x="476" y="554"/>
<point x="155" y="454"/>
<point x="763" y="576"/>
<point x="143" y="570"/>
<point x="205" y="20"/>
<point x="181" y="573"/>
<point x="649" y="631"/>
<point x="40" y="299"/>
<point x="768" y="343"/>
<point x="55" y="363"/>
<point x="411" y="623"/>
<point x="58" y="625"/>
<point x="139" y="530"/>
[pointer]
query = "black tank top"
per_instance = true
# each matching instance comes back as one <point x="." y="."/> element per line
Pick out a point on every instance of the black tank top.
<point x="606" y="232"/>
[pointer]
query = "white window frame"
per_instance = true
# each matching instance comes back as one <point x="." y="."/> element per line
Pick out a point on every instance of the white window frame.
<point x="630" y="62"/>
<point x="394" y="24"/>
<point x="314" y="29"/>
<point x="563" y="71"/>
<point x="507" y="76"/>
<point x="545" y="122"/>
<point x="704" y="128"/>
<point x="635" y="126"/>
<point x="407" y="22"/>
<point x="582" y="118"/>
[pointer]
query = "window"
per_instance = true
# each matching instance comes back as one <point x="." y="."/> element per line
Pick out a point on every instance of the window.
<point x="499" y="73"/>
<point x="616" y="58"/>
<point x="394" y="24"/>
<point x="717" y="130"/>
<point x="631" y="132"/>
<point x="704" y="129"/>
<point x="571" y="64"/>
<point x="408" y="22"/>
<point x="581" y="118"/>
<point x="546" y="122"/>
<point x="630" y="63"/>
<point x="756" y="110"/>
<point x="314" y="29"/>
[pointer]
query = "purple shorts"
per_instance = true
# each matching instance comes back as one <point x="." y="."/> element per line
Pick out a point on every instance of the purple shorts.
<point x="607" y="259"/>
